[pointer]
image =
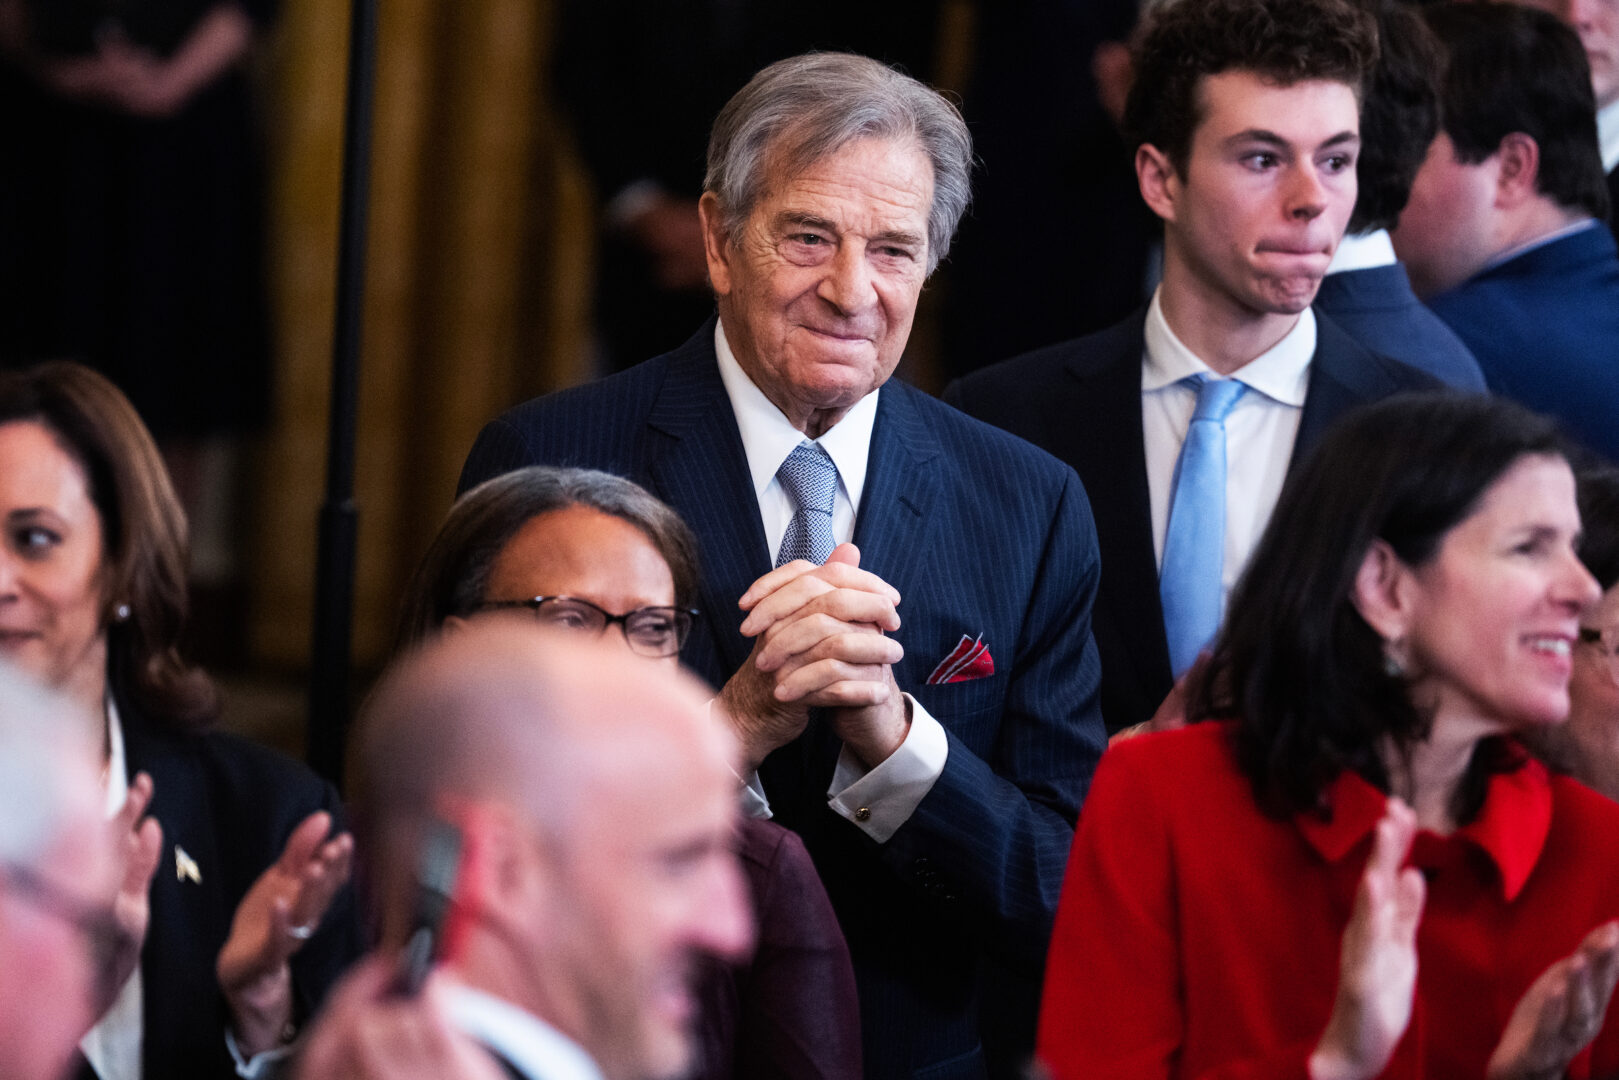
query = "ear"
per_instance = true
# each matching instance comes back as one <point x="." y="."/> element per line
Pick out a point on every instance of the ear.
<point x="716" y="243"/>
<point x="1160" y="183"/>
<point x="1518" y="177"/>
<point x="1380" y="593"/>
<point x="499" y="881"/>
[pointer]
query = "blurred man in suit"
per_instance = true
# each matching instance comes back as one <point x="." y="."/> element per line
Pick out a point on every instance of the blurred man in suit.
<point x="934" y="769"/>
<point x="1366" y="290"/>
<point x="1504" y="233"/>
<point x="1245" y="119"/>
<point x="595" y="799"/>
<point x="57" y="878"/>
<point x="1597" y="23"/>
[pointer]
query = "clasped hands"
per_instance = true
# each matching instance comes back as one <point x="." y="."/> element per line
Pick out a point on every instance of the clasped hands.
<point x="275" y="917"/>
<point x="1557" y="1017"/>
<point x="820" y="640"/>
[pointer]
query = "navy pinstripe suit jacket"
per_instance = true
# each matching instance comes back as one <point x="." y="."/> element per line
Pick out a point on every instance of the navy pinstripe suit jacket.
<point x="981" y="533"/>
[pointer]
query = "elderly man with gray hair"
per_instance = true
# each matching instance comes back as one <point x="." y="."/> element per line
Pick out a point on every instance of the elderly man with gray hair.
<point x="58" y="875"/>
<point x="896" y="598"/>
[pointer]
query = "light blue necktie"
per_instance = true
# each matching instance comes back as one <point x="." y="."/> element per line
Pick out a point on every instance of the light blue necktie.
<point x="811" y="480"/>
<point x="1194" y="544"/>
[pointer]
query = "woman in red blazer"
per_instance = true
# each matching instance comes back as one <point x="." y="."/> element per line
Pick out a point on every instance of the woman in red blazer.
<point x="1352" y="869"/>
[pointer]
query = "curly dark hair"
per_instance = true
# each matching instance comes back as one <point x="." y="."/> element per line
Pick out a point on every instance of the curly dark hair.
<point x="1296" y="665"/>
<point x="1599" y="514"/>
<point x="1510" y="68"/>
<point x="1399" y="115"/>
<point x="1285" y="41"/>
<point x="143" y="530"/>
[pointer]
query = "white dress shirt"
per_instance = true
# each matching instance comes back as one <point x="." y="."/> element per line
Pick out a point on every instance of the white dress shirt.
<point x="1365" y="251"/>
<point x="879" y="800"/>
<point x="535" y="1048"/>
<point x="1608" y="135"/>
<point x="1260" y="430"/>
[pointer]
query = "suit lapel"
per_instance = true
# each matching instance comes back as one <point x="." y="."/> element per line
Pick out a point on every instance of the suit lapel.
<point x="1108" y="448"/>
<point x="901" y="485"/>
<point x="700" y="468"/>
<point x="1339" y="380"/>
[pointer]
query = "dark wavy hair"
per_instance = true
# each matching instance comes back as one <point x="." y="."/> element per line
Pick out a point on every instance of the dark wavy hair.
<point x="1599" y="514"/>
<point x="143" y="533"/>
<point x="1512" y="68"/>
<point x="1283" y="41"/>
<point x="1399" y="115"/>
<point x="1296" y="665"/>
<point x="453" y="574"/>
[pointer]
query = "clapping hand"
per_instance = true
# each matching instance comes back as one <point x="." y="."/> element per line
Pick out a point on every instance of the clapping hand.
<point x="1561" y="1012"/>
<point x="1377" y="971"/>
<point x="138" y="843"/>
<point x="278" y="914"/>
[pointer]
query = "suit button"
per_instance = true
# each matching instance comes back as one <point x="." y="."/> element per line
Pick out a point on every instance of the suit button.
<point x="863" y="814"/>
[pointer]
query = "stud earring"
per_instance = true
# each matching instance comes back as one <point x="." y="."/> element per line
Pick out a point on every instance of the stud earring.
<point x="1393" y="662"/>
<point x="121" y="613"/>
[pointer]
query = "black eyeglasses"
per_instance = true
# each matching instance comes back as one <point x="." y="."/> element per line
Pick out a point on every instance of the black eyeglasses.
<point x="650" y="631"/>
<point x="96" y="922"/>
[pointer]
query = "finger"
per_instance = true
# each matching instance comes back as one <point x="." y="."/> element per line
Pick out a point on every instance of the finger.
<point x="1395" y="831"/>
<point x="840" y="575"/>
<point x="825" y="638"/>
<point x="304" y="842"/>
<point x="1410" y="896"/>
<point x="139" y="798"/>
<point x="1604" y="944"/>
<point x="845" y="553"/>
<point x="144" y="856"/>
<point x="834" y="683"/>
<point x="811" y="594"/>
<point x="321" y="881"/>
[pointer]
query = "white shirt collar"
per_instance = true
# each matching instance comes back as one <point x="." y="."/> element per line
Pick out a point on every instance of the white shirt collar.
<point x="533" y="1046"/>
<point x="1608" y="134"/>
<point x="117" y="765"/>
<point x="1281" y="372"/>
<point x="768" y="436"/>
<point x="1363" y="252"/>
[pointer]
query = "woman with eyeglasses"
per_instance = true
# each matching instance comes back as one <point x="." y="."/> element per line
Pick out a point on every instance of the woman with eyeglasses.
<point x="1587" y="746"/>
<point x="232" y="914"/>
<point x="1347" y="866"/>
<point x="597" y="554"/>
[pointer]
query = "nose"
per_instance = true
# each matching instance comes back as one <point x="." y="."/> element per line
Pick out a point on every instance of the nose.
<point x="723" y="922"/>
<point x="848" y="284"/>
<point x="1578" y="590"/>
<point x="1306" y="194"/>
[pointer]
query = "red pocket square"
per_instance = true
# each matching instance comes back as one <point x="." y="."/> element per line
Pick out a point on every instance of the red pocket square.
<point x="970" y="659"/>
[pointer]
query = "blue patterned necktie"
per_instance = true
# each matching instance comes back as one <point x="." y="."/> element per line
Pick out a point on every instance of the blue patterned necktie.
<point x="1194" y="543"/>
<point x="811" y="480"/>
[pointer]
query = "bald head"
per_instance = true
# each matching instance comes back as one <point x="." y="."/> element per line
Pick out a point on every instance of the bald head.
<point x="599" y="796"/>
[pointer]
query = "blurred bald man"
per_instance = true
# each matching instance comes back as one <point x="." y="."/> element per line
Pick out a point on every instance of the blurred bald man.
<point x="596" y="798"/>
<point x="57" y="880"/>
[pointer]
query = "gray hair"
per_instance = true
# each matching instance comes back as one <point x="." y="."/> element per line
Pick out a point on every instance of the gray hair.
<point x="47" y="778"/>
<point x="799" y="110"/>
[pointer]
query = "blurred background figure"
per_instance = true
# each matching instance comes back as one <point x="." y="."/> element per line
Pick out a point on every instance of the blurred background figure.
<point x="1587" y="747"/>
<point x="233" y="872"/>
<point x="587" y="551"/>
<point x="1366" y="290"/>
<point x="1597" y="23"/>
<point x="594" y="796"/>
<point x="1504" y="235"/>
<point x="58" y="875"/>
<point x="131" y="228"/>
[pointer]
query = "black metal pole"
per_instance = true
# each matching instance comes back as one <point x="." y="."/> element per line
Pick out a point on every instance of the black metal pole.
<point x="334" y="571"/>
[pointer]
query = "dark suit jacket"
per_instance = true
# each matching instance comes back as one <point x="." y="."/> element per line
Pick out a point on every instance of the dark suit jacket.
<point x="1377" y="308"/>
<point x="1081" y="400"/>
<point x="790" y="1011"/>
<point x="1545" y="329"/>
<point x="231" y="805"/>
<point x="1613" y="203"/>
<point x="981" y="534"/>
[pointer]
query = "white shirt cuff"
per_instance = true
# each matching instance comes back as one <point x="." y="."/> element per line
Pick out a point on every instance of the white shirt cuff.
<point x="755" y="803"/>
<point x="258" y="1065"/>
<point x="879" y="801"/>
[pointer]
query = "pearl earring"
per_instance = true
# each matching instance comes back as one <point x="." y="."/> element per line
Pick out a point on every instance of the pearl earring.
<point x="121" y="613"/>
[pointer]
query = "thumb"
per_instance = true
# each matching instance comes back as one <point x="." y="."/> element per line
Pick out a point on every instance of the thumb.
<point x="845" y="553"/>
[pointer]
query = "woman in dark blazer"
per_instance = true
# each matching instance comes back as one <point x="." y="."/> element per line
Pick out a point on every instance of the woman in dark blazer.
<point x="234" y="905"/>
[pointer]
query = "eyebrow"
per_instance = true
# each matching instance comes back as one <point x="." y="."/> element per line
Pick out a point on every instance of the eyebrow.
<point x="807" y="220"/>
<point x="1262" y="135"/>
